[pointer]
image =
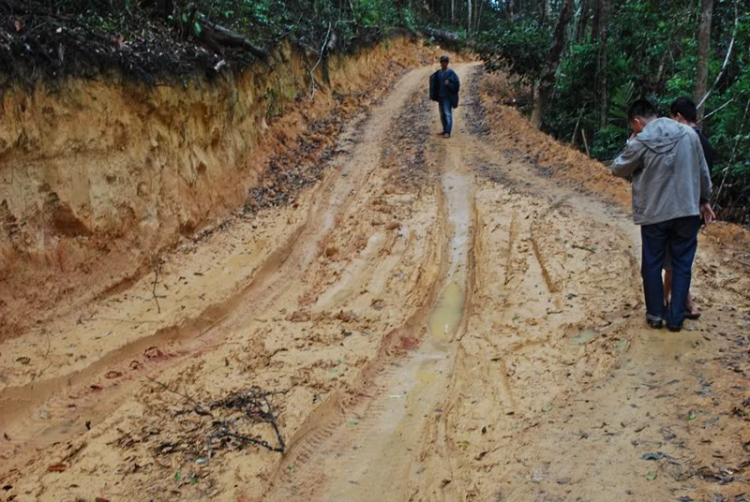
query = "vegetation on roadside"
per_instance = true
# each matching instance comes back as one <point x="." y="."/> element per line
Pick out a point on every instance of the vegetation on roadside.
<point x="615" y="51"/>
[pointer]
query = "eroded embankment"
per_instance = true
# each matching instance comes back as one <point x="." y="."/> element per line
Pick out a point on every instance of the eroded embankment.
<point x="98" y="177"/>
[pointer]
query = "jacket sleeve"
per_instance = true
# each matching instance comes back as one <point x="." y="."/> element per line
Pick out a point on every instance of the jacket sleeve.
<point x="453" y="83"/>
<point x="705" y="176"/>
<point x="630" y="160"/>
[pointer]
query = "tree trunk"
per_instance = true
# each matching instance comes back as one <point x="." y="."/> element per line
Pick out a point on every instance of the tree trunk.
<point x="583" y="21"/>
<point x="595" y="20"/>
<point x="453" y="12"/>
<point x="468" y="17"/>
<point x="542" y="12"/>
<point x="704" y="46"/>
<point x="549" y="76"/>
<point x="478" y="18"/>
<point x="603" y="32"/>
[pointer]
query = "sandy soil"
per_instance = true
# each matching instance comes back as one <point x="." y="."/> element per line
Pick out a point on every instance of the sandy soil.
<point x="435" y="320"/>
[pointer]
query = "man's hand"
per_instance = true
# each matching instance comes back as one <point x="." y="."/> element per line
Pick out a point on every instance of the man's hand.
<point x="707" y="213"/>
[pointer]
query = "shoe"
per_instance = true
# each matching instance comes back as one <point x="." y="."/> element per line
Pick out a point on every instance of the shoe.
<point x="674" y="329"/>
<point x="691" y="316"/>
<point x="654" y="324"/>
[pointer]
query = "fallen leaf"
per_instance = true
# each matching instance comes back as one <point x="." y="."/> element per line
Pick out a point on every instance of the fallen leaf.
<point x="24" y="360"/>
<point x="57" y="468"/>
<point x="692" y="415"/>
<point x="651" y="475"/>
<point x="653" y="456"/>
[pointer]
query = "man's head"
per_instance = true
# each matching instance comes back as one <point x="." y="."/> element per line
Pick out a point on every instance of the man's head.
<point x="444" y="60"/>
<point x="683" y="110"/>
<point x="640" y="113"/>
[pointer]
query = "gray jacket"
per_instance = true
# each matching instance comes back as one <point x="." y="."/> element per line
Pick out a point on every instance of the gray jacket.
<point x="670" y="174"/>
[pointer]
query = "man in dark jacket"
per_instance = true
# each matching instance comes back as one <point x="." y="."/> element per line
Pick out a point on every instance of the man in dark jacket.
<point x="683" y="110"/>
<point x="670" y="184"/>
<point x="444" y="87"/>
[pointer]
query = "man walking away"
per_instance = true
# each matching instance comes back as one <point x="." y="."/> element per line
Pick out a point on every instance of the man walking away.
<point x="683" y="110"/>
<point x="670" y="178"/>
<point x="444" y="87"/>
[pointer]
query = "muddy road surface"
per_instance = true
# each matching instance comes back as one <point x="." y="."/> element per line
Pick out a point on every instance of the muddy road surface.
<point x="434" y="320"/>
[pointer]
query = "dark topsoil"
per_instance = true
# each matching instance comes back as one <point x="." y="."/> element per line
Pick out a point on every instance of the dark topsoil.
<point x="49" y="39"/>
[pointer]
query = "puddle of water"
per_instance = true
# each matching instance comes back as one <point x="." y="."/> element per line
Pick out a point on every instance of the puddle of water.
<point x="449" y="310"/>
<point x="457" y="188"/>
<point x="446" y="317"/>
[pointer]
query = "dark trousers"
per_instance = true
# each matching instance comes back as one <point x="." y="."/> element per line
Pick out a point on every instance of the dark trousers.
<point x="680" y="237"/>
<point x="446" y="114"/>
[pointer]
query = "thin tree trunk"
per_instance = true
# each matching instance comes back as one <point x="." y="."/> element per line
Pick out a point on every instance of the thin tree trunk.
<point x="704" y="46"/>
<point x="453" y="12"/>
<point x="547" y="82"/>
<point x="468" y="17"/>
<point x="702" y="102"/>
<point x="542" y="12"/>
<point x="582" y="21"/>
<point x="595" y="20"/>
<point x="603" y="33"/>
<point x="478" y="18"/>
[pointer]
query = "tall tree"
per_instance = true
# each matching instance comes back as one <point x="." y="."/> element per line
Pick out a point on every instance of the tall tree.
<point x="603" y="35"/>
<point x="548" y="79"/>
<point x="704" y="46"/>
<point x="595" y="20"/>
<point x="582" y="21"/>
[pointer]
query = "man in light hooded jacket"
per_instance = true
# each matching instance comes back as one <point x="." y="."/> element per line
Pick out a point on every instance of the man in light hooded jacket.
<point x="671" y="189"/>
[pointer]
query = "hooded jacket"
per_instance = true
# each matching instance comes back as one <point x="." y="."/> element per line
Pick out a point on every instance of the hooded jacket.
<point x="670" y="174"/>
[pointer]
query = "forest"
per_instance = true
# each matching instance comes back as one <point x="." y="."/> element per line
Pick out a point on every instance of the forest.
<point x="577" y="63"/>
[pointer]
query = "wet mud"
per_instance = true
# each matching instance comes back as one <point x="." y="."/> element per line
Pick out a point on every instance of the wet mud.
<point x="435" y="319"/>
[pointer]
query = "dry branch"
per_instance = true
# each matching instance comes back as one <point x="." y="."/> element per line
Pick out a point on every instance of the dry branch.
<point x="216" y="35"/>
<point x="726" y="59"/>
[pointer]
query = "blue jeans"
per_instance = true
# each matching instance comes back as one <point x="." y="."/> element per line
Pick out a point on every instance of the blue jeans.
<point x="680" y="237"/>
<point x="446" y="114"/>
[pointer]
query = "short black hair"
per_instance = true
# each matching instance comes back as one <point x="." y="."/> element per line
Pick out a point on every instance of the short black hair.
<point x="641" y="108"/>
<point x="685" y="107"/>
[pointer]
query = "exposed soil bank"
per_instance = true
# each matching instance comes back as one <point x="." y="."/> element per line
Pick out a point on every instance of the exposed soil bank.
<point x="97" y="177"/>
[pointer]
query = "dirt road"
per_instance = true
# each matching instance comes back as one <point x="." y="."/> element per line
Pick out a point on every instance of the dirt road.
<point x="436" y="320"/>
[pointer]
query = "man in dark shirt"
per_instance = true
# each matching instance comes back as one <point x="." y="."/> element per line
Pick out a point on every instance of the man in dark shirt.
<point x="683" y="110"/>
<point x="444" y="87"/>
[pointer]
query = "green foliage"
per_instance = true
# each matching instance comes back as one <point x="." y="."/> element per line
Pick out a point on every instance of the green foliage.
<point x="518" y="48"/>
<point x="651" y="52"/>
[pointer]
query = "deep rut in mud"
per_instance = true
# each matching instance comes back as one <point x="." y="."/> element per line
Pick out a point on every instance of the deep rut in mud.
<point x="442" y="321"/>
